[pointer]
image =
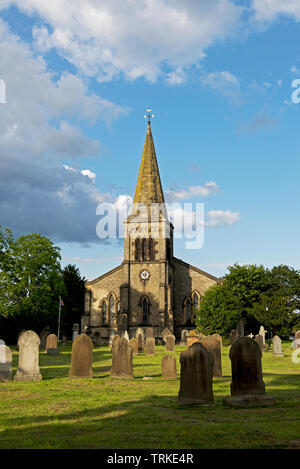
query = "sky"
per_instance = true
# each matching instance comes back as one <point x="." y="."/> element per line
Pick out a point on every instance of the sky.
<point x="220" y="77"/>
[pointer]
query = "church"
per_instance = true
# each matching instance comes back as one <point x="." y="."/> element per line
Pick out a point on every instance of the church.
<point x="151" y="289"/>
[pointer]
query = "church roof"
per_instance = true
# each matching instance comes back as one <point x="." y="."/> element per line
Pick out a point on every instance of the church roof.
<point x="149" y="188"/>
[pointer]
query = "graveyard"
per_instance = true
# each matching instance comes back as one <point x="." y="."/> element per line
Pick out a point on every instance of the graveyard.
<point x="104" y="412"/>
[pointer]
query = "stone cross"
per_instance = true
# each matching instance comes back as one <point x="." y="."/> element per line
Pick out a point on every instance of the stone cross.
<point x="168" y="367"/>
<point x="5" y="363"/>
<point x="196" y="376"/>
<point x="82" y="357"/>
<point x="122" y="360"/>
<point x="28" y="366"/>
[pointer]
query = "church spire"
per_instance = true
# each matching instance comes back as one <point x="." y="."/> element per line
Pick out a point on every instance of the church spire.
<point x="148" y="188"/>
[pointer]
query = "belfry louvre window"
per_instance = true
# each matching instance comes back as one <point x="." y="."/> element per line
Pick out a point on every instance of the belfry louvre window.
<point x="145" y="310"/>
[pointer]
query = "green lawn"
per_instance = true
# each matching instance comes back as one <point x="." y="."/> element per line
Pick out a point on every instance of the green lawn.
<point x="143" y="413"/>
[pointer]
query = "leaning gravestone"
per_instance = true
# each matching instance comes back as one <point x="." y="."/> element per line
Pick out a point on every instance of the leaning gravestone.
<point x="28" y="366"/>
<point x="51" y="345"/>
<point x="75" y="331"/>
<point x="247" y="387"/>
<point x="170" y="343"/>
<point x="213" y="344"/>
<point x="141" y="344"/>
<point x="134" y="345"/>
<point x="196" y="376"/>
<point x="150" y="346"/>
<point x="82" y="357"/>
<point x="122" y="360"/>
<point x="277" y="349"/>
<point x="168" y="367"/>
<point x="259" y="340"/>
<point x="5" y="363"/>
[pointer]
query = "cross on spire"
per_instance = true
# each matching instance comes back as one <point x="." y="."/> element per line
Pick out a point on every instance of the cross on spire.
<point x="148" y="115"/>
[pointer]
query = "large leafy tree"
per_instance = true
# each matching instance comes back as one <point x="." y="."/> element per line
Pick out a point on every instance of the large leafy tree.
<point x="73" y="297"/>
<point x="30" y="282"/>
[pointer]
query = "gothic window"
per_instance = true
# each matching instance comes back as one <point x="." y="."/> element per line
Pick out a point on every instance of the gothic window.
<point x="118" y="306"/>
<point x="188" y="310"/>
<point x="137" y="249"/>
<point x="145" y="305"/>
<point x="104" y="312"/>
<point x="196" y="301"/>
<point x="144" y="249"/>
<point x="151" y="250"/>
<point x="111" y="309"/>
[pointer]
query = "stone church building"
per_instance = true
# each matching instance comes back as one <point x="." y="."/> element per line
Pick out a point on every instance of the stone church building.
<point x="151" y="289"/>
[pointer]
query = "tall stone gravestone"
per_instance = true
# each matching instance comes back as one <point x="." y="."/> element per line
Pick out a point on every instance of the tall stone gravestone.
<point x="150" y="346"/>
<point x="82" y="357"/>
<point x="183" y="338"/>
<point x="277" y="349"/>
<point x="259" y="340"/>
<point x="5" y="363"/>
<point x="122" y="360"/>
<point x="165" y="333"/>
<point x="196" y="376"/>
<point x="213" y="344"/>
<point x="168" y="367"/>
<point x="43" y="338"/>
<point x="247" y="387"/>
<point x="51" y="345"/>
<point x="28" y="366"/>
<point x="149" y="332"/>
<point x="262" y="332"/>
<point x="115" y="339"/>
<point x="75" y="331"/>
<point x="134" y="345"/>
<point x="126" y="336"/>
<point x="170" y="343"/>
<point x="141" y="344"/>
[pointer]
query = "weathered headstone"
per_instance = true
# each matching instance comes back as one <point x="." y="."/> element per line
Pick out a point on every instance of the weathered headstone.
<point x="165" y="333"/>
<point x="43" y="338"/>
<point x="213" y="344"/>
<point x="82" y="357"/>
<point x="122" y="360"/>
<point x="51" y="345"/>
<point x="168" y="367"/>
<point x="28" y="366"/>
<point x="75" y="331"/>
<point x="170" y="343"/>
<point x="233" y="336"/>
<point x="5" y="363"/>
<point x="134" y="345"/>
<point x="191" y="339"/>
<point x="141" y="343"/>
<point x="150" y="346"/>
<point x="259" y="340"/>
<point x="196" y="376"/>
<point x="149" y="332"/>
<point x="115" y="339"/>
<point x="247" y="387"/>
<point x="297" y="335"/>
<point x="262" y="332"/>
<point x="183" y="338"/>
<point x="277" y="349"/>
<point x="126" y="336"/>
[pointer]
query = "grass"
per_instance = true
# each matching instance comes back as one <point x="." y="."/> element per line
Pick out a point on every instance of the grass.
<point x="102" y="412"/>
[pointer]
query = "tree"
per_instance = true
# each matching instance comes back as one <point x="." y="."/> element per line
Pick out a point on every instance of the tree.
<point x="30" y="281"/>
<point x="73" y="297"/>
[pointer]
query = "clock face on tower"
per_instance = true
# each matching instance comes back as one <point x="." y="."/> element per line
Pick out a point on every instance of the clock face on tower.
<point x="144" y="274"/>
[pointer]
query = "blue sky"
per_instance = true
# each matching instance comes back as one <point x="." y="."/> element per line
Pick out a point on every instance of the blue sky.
<point x="218" y="76"/>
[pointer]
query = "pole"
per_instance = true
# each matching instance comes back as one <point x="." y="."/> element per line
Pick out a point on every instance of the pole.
<point x="59" y="309"/>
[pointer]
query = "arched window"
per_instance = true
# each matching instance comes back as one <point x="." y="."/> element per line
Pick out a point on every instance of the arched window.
<point x="196" y="301"/>
<point x="144" y="249"/>
<point x="111" y="309"/>
<point x="187" y="310"/>
<point x="145" y="305"/>
<point x="137" y="249"/>
<point x="151" y="250"/>
<point x="118" y="306"/>
<point x="104" y="312"/>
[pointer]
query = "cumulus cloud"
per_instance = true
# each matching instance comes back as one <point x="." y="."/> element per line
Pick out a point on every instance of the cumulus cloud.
<point x="136" y="39"/>
<point x="209" y="188"/>
<point x="217" y="218"/>
<point x="224" y="82"/>
<point x="268" y="10"/>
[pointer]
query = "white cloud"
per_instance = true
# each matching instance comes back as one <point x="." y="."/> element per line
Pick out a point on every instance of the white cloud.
<point x="219" y="218"/>
<point x="137" y="39"/>
<point x="268" y="10"/>
<point x="209" y="188"/>
<point x="89" y="174"/>
<point x="224" y="82"/>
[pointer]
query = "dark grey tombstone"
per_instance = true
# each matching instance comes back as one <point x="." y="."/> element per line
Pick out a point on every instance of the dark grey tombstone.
<point x="122" y="360"/>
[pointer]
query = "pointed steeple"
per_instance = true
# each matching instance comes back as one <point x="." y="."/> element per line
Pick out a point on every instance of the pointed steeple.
<point x="149" y="188"/>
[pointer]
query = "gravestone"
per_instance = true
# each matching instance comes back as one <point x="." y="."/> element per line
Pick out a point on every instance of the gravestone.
<point x="43" y="338"/>
<point x="259" y="340"/>
<point x="115" y="339"/>
<point x="150" y="346"/>
<point x="141" y="344"/>
<point x="134" y="345"/>
<point x="277" y="349"/>
<point x="64" y="339"/>
<point x="112" y="334"/>
<point x="126" y="336"/>
<point x="196" y="376"/>
<point x="183" y="338"/>
<point x="191" y="339"/>
<point x="247" y="387"/>
<point x="168" y="367"/>
<point x="165" y="333"/>
<point x="5" y="363"/>
<point x="233" y="336"/>
<point x="28" y="366"/>
<point x="213" y="344"/>
<point x="170" y="343"/>
<point x="75" y="331"/>
<point x="297" y="335"/>
<point x="82" y="357"/>
<point x="19" y="335"/>
<point x="51" y="345"/>
<point x="149" y="332"/>
<point x="122" y="360"/>
<point x="262" y="332"/>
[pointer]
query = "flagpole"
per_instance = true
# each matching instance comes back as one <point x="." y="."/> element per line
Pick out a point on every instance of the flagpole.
<point x="59" y="309"/>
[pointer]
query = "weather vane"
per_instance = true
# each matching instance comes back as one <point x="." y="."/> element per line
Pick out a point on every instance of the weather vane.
<point x="148" y="115"/>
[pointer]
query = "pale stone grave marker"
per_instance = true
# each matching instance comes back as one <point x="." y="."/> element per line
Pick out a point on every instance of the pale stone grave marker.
<point x="28" y="366"/>
<point x="82" y="357"/>
<point x="5" y="362"/>
<point x="168" y="367"/>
